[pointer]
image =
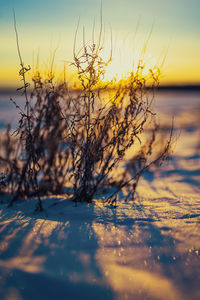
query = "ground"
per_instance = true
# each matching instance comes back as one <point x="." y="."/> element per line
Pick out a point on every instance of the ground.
<point x="146" y="249"/>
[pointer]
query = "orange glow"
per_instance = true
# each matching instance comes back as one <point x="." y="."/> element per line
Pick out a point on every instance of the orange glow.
<point x="182" y="64"/>
<point x="125" y="59"/>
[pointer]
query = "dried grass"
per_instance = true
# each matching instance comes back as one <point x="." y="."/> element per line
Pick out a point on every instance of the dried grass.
<point x="81" y="139"/>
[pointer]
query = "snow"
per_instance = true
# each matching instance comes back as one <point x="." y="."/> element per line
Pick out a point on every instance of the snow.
<point x="147" y="249"/>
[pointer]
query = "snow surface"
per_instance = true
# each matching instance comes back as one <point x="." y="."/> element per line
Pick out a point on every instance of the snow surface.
<point x="149" y="249"/>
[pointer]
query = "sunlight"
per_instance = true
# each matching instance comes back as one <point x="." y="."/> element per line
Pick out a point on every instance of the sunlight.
<point x="126" y="58"/>
<point x="131" y="275"/>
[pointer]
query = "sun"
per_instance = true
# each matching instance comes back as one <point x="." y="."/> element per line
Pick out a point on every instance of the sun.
<point x="125" y="59"/>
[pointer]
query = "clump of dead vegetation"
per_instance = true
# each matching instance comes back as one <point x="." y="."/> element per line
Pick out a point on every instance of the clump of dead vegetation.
<point x="98" y="138"/>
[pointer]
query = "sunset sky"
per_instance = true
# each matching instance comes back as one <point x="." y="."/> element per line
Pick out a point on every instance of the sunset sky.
<point x="47" y="24"/>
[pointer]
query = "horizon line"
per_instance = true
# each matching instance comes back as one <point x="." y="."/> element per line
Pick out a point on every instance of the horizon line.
<point x="185" y="87"/>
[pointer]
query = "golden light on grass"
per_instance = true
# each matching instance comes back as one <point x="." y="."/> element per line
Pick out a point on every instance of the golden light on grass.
<point x="126" y="58"/>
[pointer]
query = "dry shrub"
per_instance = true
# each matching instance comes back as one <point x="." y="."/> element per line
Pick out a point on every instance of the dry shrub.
<point x="101" y="136"/>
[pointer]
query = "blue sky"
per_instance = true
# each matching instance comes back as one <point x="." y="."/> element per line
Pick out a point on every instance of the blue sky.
<point x="176" y="23"/>
<point x="179" y="15"/>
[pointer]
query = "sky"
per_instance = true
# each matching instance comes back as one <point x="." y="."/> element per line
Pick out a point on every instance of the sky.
<point x="46" y="25"/>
